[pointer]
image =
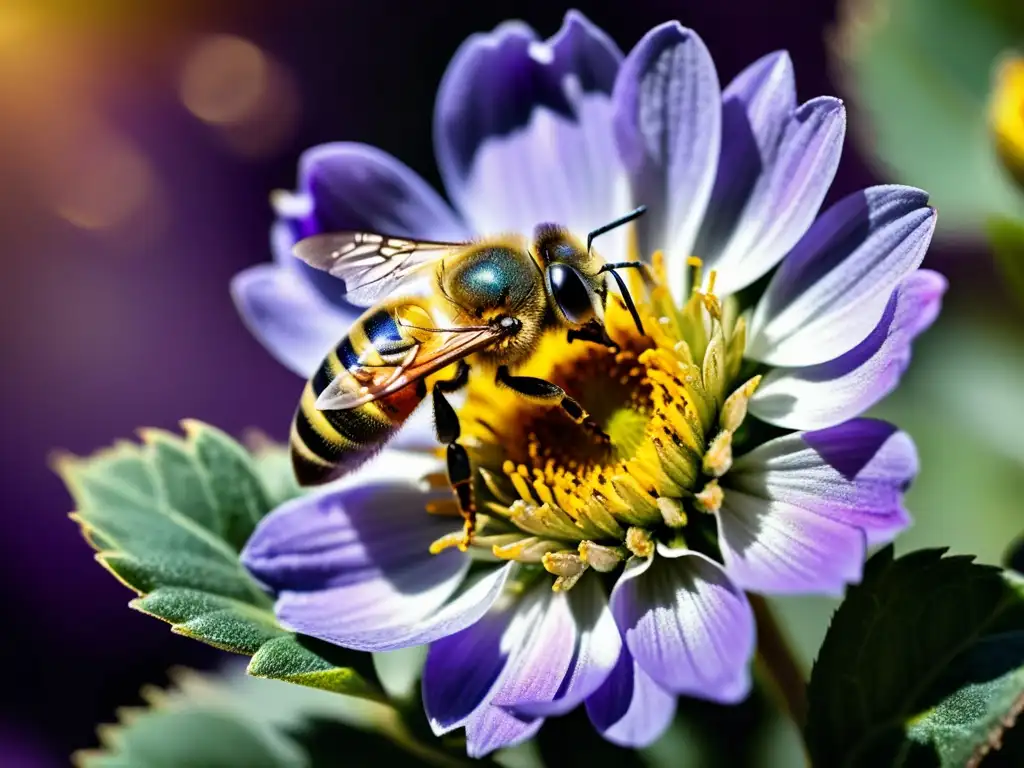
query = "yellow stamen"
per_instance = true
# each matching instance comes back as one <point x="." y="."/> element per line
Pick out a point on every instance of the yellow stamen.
<point x="447" y="542"/>
<point x="638" y="541"/>
<point x="710" y="499"/>
<point x="600" y="558"/>
<point x="672" y="512"/>
<point x="718" y="459"/>
<point x="551" y="493"/>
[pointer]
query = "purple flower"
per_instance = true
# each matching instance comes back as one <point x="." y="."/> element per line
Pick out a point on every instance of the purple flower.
<point x="654" y="539"/>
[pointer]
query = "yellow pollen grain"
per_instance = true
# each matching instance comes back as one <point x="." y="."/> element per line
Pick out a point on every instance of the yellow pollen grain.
<point x="638" y="541"/>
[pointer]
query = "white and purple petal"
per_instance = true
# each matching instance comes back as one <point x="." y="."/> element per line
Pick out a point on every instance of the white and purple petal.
<point x="492" y="728"/>
<point x="350" y="564"/>
<point x="833" y="287"/>
<point x="523" y="130"/>
<point x="288" y="316"/>
<point x="795" y="175"/>
<point x="465" y="671"/>
<point x="823" y="395"/>
<point x="855" y="473"/>
<point x="773" y="547"/>
<point x="686" y="624"/>
<point x="533" y="655"/>
<point x="668" y="120"/>
<point x="583" y="615"/>
<point x="630" y="709"/>
<point x="357" y="186"/>
<point x="755" y="108"/>
<point x="462" y="669"/>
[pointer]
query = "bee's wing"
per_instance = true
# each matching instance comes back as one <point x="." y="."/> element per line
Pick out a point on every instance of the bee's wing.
<point x="442" y="347"/>
<point x="370" y="265"/>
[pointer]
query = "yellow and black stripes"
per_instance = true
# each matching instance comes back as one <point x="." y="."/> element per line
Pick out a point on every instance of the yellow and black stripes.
<point x="328" y="444"/>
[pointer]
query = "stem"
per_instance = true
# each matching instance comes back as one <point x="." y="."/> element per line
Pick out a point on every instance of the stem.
<point x="775" y="657"/>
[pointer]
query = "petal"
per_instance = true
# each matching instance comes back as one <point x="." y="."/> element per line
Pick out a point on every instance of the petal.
<point x="668" y="117"/>
<point x="523" y="130"/>
<point x="595" y="651"/>
<point x="505" y="648"/>
<point x="356" y="186"/>
<point x="493" y="728"/>
<point x="830" y="393"/>
<point x="833" y="287"/>
<point x="855" y="473"/>
<point x="359" y="550"/>
<point x="630" y="709"/>
<point x="541" y="654"/>
<point x="296" y="325"/>
<point x="686" y="624"/>
<point x="787" y="194"/>
<point x="755" y="108"/>
<point x="284" y="233"/>
<point x="350" y="564"/>
<point x="462" y="669"/>
<point x="774" y="547"/>
<point x="471" y="602"/>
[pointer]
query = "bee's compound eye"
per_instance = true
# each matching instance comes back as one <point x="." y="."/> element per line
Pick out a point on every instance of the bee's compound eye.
<point x="570" y="294"/>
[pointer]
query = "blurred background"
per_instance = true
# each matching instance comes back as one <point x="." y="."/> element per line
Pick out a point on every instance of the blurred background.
<point x="139" y="143"/>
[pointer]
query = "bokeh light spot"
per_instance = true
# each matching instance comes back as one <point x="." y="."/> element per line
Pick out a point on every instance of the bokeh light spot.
<point x="224" y="79"/>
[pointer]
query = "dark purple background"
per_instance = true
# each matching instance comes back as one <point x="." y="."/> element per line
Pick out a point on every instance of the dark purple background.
<point x="102" y="336"/>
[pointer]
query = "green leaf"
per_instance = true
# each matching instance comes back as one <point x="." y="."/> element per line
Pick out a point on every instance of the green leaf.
<point x="1007" y="239"/>
<point x="985" y="701"/>
<point x="200" y="737"/>
<point x="914" y="644"/>
<point x="919" y="75"/>
<point x="227" y="720"/>
<point x="169" y="517"/>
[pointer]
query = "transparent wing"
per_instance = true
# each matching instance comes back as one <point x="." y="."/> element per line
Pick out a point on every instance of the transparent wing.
<point x="439" y="348"/>
<point x="370" y="265"/>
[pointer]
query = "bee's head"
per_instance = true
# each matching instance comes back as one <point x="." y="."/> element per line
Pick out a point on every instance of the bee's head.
<point x="574" y="287"/>
<point x="575" y="277"/>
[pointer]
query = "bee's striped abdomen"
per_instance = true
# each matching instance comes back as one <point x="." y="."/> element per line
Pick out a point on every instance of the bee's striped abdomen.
<point x="328" y="444"/>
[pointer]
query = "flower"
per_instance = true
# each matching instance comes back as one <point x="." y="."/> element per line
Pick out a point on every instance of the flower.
<point x="612" y="569"/>
<point x="1006" y="113"/>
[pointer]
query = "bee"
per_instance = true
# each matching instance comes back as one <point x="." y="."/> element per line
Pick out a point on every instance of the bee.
<point x="489" y="304"/>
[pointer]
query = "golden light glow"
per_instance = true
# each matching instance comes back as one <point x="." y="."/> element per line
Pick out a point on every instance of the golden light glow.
<point x="61" y="147"/>
<point x="224" y="79"/>
<point x="105" y="187"/>
<point x="1006" y="113"/>
<point x="232" y="85"/>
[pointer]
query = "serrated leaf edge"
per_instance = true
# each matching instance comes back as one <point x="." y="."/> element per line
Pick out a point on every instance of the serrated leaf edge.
<point x="994" y="740"/>
<point x="886" y="559"/>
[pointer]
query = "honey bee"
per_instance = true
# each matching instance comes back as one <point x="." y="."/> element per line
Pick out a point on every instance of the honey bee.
<point x="489" y="305"/>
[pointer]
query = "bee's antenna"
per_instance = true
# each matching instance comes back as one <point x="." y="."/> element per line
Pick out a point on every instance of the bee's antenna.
<point x="628" y="298"/>
<point x="634" y="214"/>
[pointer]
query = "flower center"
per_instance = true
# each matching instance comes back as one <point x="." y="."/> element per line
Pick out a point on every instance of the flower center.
<point x="611" y="386"/>
<point x="573" y="496"/>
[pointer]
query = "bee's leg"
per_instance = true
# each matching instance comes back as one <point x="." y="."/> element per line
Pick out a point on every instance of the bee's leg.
<point x="460" y="471"/>
<point x="543" y="391"/>
<point x="592" y="331"/>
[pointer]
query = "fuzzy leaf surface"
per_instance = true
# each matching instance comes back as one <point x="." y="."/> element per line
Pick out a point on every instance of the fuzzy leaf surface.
<point x="169" y="517"/>
<point x="923" y="664"/>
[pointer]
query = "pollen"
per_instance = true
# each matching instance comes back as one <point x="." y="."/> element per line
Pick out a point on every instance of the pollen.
<point x="568" y="496"/>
